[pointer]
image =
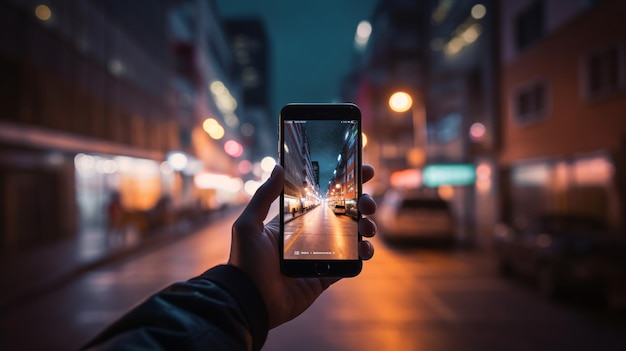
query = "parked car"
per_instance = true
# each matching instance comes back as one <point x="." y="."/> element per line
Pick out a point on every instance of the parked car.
<point x="353" y="212"/>
<point x="339" y="209"/>
<point x="411" y="216"/>
<point x="566" y="254"/>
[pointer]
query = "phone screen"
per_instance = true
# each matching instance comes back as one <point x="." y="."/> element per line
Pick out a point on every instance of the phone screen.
<point x="320" y="152"/>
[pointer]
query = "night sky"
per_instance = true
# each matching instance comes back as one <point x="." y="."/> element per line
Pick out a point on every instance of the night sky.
<point x="312" y="43"/>
<point x="326" y="140"/>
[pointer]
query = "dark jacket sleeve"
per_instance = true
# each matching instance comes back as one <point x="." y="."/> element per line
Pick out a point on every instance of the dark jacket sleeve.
<point x="218" y="310"/>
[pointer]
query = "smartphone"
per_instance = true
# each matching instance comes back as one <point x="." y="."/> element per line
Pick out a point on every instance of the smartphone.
<point x="320" y="150"/>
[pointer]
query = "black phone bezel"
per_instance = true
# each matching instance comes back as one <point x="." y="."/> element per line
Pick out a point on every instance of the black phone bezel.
<point x="317" y="268"/>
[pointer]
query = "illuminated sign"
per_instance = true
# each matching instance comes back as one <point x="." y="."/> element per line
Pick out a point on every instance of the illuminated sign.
<point x="449" y="174"/>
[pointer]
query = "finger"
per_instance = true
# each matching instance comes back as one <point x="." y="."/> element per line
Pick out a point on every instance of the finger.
<point x="366" y="250"/>
<point x="259" y="205"/>
<point x="367" y="205"/>
<point x="367" y="173"/>
<point x="367" y="227"/>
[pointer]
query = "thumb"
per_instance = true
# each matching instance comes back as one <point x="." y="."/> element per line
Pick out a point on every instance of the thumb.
<point x="259" y="205"/>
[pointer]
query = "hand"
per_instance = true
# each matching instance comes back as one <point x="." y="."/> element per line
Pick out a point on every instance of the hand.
<point x="255" y="251"/>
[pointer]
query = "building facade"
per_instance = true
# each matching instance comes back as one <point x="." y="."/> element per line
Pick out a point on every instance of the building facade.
<point x="94" y="97"/>
<point x="563" y="102"/>
<point x="251" y="49"/>
<point x="441" y="53"/>
<point x="461" y="103"/>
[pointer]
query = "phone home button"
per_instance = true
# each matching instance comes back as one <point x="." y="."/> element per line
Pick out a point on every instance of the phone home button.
<point x="322" y="268"/>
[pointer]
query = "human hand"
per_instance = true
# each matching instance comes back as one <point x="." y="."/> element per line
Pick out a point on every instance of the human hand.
<point x="255" y="250"/>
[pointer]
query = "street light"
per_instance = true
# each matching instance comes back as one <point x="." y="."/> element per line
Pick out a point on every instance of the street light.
<point x="401" y="101"/>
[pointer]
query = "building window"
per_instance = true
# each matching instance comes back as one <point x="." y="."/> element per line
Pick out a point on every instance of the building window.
<point x="529" y="25"/>
<point x="603" y="71"/>
<point x="531" y="103"/>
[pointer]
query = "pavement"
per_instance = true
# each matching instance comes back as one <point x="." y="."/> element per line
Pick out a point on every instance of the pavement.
<point x="27" y="275"/>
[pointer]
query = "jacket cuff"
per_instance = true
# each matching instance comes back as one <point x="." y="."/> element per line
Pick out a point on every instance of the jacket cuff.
<point x="247" y="295"/>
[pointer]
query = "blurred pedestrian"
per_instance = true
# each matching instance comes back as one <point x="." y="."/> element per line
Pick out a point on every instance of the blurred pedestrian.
<point x="231" y="306"/>
<point x="160" y="215"/>
<point x="115" y="219"/>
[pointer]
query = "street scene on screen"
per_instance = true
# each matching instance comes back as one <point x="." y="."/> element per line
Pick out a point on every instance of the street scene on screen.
<point x="321" y="168"/>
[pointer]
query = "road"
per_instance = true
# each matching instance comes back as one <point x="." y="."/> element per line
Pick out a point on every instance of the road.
<point x="405" y="299"/>
<point x="320" y="234"/>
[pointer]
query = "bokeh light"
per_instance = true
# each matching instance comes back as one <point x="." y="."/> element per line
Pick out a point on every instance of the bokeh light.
<point x="177" y="161"/>
<point x="477" y="131"/>
<point x="233" y="148"/>
<point x="479" y="11"/>
<point x="43" y="13"/>
<point x="213" y="128"/>
<point x="244" y="167"/>
<point x="268" y="163"/>
<point x="251" y="186"/>
<point x="363" y="32"/>
<point x="400" y="101"/>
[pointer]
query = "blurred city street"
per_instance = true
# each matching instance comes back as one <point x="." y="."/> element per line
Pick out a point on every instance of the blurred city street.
<point x="133" y="133"/>
<point x="405" y="299"/>
<point x="66" y="317"/>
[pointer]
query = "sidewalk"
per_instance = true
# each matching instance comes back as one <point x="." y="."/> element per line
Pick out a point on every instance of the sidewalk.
<point x="34" y="273"/>
<point x="290" y="217"/>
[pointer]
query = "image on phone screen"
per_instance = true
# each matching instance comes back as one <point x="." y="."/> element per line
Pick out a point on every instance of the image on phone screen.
<point x="321" y="189"/>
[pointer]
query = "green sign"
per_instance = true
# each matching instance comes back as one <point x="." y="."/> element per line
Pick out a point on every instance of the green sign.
<point x="449" y="174"/>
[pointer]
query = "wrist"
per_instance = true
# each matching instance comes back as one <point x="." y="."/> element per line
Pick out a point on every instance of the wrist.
<point x="239" y="285"/>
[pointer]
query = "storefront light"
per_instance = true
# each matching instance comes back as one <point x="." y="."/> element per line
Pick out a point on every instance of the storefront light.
<point x="124" y="164"/>
<point x="449" y="174"/>
<point x="223" y="182"/>
<point x="408" y="178"/>
<point x="107" y="166"/>
<point x="531" y="174"/>
<point x="84" y="162"/>
<point x="177" y="161"/>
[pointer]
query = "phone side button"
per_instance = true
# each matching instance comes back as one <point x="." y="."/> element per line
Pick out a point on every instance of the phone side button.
<point x="322" y="268"/>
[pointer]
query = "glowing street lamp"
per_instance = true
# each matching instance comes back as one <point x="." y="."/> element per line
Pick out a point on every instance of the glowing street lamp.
<point x="400" y="101"/>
